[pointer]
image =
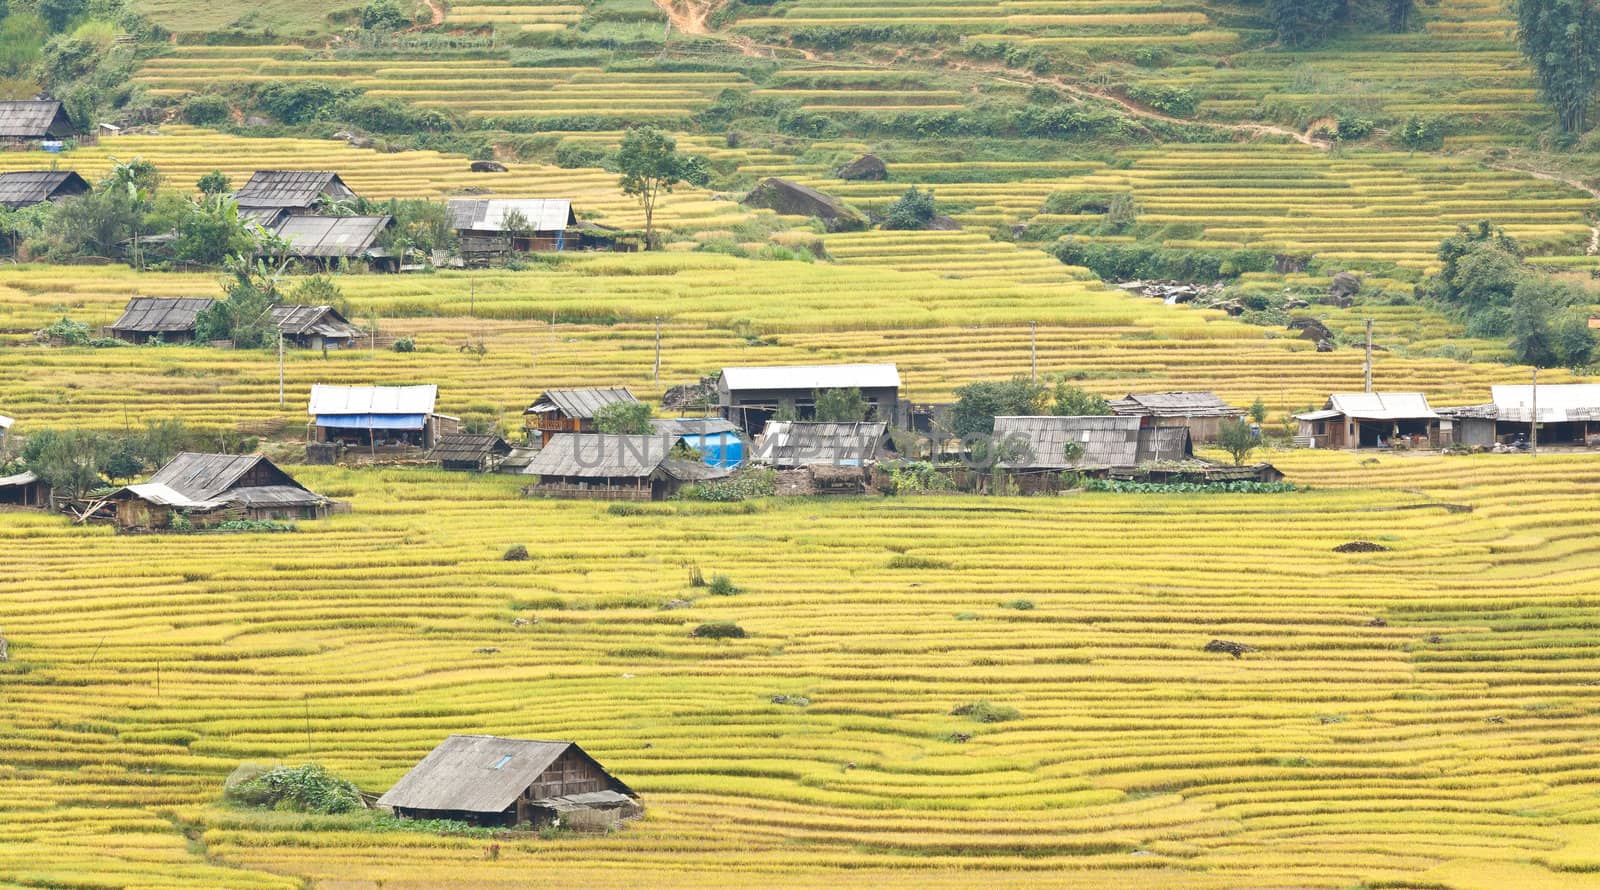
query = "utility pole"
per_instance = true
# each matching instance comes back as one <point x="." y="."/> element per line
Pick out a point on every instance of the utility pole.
<point x="280" y="367"/>
<point x="1368" y="365"/>
<point x="658" y="350"/>
<point x="1533" y="428"/>
<point x="472" y="297"/>
<point x="1033" y="350"/>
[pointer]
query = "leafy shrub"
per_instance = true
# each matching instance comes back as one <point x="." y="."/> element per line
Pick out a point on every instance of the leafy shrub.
<point x="983" y="712"/>
<point x="301" y="789"/>
<point x="1125" y="262"/>
<point x="1243" y="486"/>
<point x="580" y="154"/>
<point x="383" y="15"/>
<point x="719" y="630"/>
<point x="405" y="344"/>
<point x="74" y="333"/>
<point x="515" y="553"/>
<point x="721" y="585"/>
<point x="904" y="561"/>
<point x="912" y="211"/>
<point x="1174" y="101"/>
<point x="798" y="701"/>
<point x="918" y="477"/>
<point x="391" y="116"/>
<point x="745" y="484"/>
<point x="1019" y="605"/>
<point x="1352" y="129"/>
<point x="300" y="101"/>
<point x="178" y="522"/>
<point x="206" y="110"/>
<point x="255" y="525"/>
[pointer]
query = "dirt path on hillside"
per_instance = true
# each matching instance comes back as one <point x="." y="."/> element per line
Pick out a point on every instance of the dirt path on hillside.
<point x="1580" y="185"/>
<point x="690" y="16"/>
<point x="436" y="8"/>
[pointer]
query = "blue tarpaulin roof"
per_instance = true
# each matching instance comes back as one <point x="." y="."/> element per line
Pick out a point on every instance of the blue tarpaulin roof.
<point x="372" y="421"/>
<point x="720" y="449"/>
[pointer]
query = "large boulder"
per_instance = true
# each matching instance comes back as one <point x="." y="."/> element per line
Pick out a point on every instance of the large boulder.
<point x="867" y="168"/>
<point x="793" y="199"/>
<point x="1311" y="329"/>
<point x="1344" y="285"/>
<point x="488" y="167"/>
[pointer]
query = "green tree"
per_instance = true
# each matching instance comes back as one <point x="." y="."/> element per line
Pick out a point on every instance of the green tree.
<point x="651" y="166"/>
<point x="1574" y="339"/>
<point x="245" y="316"/>
<point x="69" y="461"/>
<point x="978" y="404"/>
<point x="913" y="210"/>
<point x="1258" y="411"/>
<point x="122" y="460"/>
<point x="58" y="14"/>
<point x="1548" y="325"/>
<point x="214" y="183"/>
<point x="1561" y="39"/>
<point x="383" y="15"/>
<point x="319" y="290"/>
<point x="1237" y="438"/>
<point x="1300" y="22"/>
<point x="1074" y="401"/>
<point x="624" y="419"/>
<point x="212" y="230"/>
<point x="1479" y="268"/>
<point x="841" y="406"/>
<point x="1400" y="13"/>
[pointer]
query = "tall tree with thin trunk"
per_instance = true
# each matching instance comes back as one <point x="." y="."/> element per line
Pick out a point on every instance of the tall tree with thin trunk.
<point x="651" y="165"/>
<point x="1561" y="38"/>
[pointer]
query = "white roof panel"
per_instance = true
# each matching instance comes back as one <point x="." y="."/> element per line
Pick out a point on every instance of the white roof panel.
<point x="1558" y="403"/>
<point x="327" y="399"/>
<point x="811" y="377"/>
<point x="1382" y="405"/>
<point x="5" y="422"/>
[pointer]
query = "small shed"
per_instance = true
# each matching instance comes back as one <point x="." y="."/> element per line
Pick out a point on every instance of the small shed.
<point x="504" y="783"/>
<point x="1568" y="413"/>
<point x="1202" y="413"/>
<point x="787" y="444"/>
<point x="1468" y="425"/>
<point x="398" y="418"/>
<point x="489" y="226"/>
<point x="30" y="187"/>
<point x="594" y="466"/>
<point x="34" y="120"/>
<point x="295" y="191"/>
<point x="24" y="489"/>
<point x="315" y="327"/>
<point x="570" y="410"/>
<point x="326" y="241"/>
<point x="751" y="396"/>
<point x="211" y="488"/>
<point x="1371" y="420"/>
<point x="470" y="453"/>
<point x="171" y="320"/>
<point x="1041" y="444"/>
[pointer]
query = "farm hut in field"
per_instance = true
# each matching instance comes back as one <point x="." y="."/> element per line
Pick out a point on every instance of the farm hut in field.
<point x="315" y="327"/>
<point x="1052" y="444"/>
<point x="516" y="460"/>
<point x="294" y="192"/>
<point x="160" y="318"/>
<point x="1371" y="420"/>
<point x="327" y="241"/>
<point x="35" y="120"/>
<point x="24" y="490"/>
<point x="1567" y="413"/>
<point x="570" y="410"/>
<point x="593" y="466"/>
<point x="505" y="783"/>
<point x="717" y="440"/>
<point x="396" y="418"/>
<point x="212" y="488"/>
<point x="27" y="188"/>
<point x="1469" y="425"/>
<point x="1202" y="413"/>
<point x="495" y="226"/>
<point x="787" y="444"/>
<point x="470" y="453"/>
<point x="750" y="397"/>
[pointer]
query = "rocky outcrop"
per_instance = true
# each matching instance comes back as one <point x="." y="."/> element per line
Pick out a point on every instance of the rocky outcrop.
<point x="793" y="199"/>
<point x="867" y="168"/>
<point x="488" y="167"/>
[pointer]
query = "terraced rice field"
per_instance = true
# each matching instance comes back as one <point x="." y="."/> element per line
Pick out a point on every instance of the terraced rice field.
<point x="1450" y="747"/>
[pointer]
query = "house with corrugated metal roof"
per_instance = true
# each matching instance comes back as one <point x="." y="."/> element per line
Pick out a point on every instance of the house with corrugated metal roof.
<point x="596" y="466"/>
<point x="493" y="226"/>
<point x="211" y="488"/>
<point x="325" y="241"/>
<point x="1202" y="413"/>
<point x="291" y="191"/>
<point x="1567" y="414"/>
<point x="752" y="396"/>
<point x="24" y="489"/>
<point x="315" y="327"/>
<point x="373" y="417"/>
<point x="789" y="444"/>
<point x="1371" y="420"/>
<point x="34" y="120"/>
<point x="506" y="783"/>
<point x="1053" y="444"/>
<point x="171" y="320"/>
<point x="29" y="187"/>
<point x="470" y="453"/>
<point x="571" y="410"/>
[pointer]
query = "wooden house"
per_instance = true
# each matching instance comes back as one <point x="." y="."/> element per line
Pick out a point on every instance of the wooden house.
<point x="394" y="418"/>
<point x="506" y="783"/>
<point x="212" y="488"/>
<point x="35" y="120"/>
<point x="29" y="187"/>
<point x="593" y="466"/>
<point x="160" y="318"/>
<point x="570" y="410"/>
<point x="24" y="489"/>
<point x="1202" y="413"/>
<point x="495" y="226"/>
<point x="1371" y="420"/>
<point x="329" y="241"/>
<point x="470" y="453"/>
<point x="1567" y="413"/>
<point x="787" y="444"/>
<point x="1053" y="444"/>
<point x="315" y="327"/>
<point x="750" y="397"/>
<point x="290" y="192"/>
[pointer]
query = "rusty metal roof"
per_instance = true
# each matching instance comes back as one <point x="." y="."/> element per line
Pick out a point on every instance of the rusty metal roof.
<point x="481" y="774"/>
<point x="161" y="315"/>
